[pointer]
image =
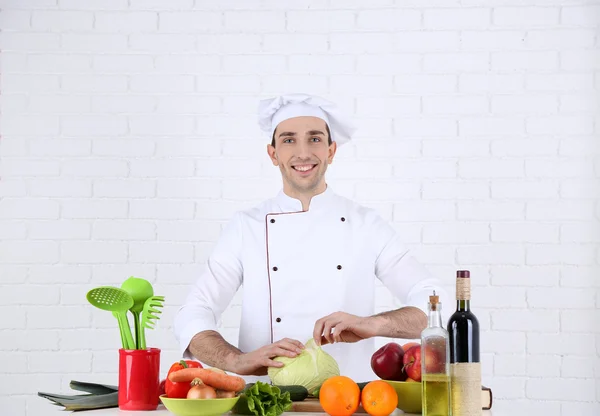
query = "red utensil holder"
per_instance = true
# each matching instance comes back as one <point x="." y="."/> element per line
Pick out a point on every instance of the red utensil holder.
<point x="139" y="382"/>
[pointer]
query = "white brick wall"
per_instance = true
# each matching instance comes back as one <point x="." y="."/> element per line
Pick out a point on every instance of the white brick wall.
<point x="128" y="138"/>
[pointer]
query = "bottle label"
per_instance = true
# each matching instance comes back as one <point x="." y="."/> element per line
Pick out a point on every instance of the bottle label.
<point x="463" y="289"/>
<point x="465" y="388"/>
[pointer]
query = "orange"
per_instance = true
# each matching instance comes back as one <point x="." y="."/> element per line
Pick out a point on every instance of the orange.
<point x="339" y="396"/>
<point x="378" y="398"/>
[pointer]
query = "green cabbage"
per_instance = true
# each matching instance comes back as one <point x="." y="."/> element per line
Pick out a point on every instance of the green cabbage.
<point x="310" y="368"/>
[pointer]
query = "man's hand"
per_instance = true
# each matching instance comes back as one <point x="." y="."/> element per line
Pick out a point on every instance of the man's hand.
<point x="256" y="362"/>
<point x="344" y="327"/>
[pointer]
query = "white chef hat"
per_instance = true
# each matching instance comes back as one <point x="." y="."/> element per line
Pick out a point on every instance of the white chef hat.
<point x="273" y="111"/>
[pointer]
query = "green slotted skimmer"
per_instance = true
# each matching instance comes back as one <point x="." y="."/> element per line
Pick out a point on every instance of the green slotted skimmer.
<point x="117" y="301"/>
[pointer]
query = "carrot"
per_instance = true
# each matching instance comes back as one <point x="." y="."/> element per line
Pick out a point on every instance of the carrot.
<point x="212" y="378"/>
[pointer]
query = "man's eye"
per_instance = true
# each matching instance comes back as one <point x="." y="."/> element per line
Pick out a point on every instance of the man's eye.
<point x="287" y="140"/>
<point x="317" y="139"/>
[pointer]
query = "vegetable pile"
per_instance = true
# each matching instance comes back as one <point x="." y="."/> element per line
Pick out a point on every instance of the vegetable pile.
<point x="202" y="383"/>
<point x="179" y="390"/>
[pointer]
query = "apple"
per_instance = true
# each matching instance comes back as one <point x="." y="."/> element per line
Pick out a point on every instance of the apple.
<point x="387" y="362"/>
<point x="406" y="346"/>
<point x="412" y="362"/>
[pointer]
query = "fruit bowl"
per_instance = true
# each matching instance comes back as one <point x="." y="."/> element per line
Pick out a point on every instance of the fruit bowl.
<point x="199" y="407"/>
<point x="409" y="395"/>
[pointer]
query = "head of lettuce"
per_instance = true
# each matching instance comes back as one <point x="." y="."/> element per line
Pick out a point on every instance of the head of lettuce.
<point x="310" y="368"/>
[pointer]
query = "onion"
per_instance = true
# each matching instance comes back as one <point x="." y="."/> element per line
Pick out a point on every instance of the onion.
<point x="199" y="390"/>
<point x="221" y="394"/>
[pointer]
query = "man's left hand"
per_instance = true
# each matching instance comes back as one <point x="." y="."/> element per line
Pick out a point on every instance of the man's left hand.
<point x="344" y="327"/>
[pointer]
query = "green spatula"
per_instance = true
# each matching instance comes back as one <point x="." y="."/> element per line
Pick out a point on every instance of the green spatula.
<point x="117" y="301"/>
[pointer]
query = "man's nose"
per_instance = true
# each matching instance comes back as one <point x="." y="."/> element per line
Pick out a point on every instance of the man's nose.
<point x="303" y="150"/>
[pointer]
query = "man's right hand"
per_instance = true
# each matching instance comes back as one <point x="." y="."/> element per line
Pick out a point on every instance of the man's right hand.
<point x="256" y="363"/>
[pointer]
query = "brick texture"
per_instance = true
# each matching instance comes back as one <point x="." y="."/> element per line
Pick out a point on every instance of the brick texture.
<point x="128" y="138"/>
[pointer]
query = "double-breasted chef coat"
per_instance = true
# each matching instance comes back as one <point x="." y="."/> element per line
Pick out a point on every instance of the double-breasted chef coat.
<point x="298" y="266"/>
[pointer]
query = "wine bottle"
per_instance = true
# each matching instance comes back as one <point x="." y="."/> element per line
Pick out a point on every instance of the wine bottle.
<point x="435" y="363"/>
<point x="465" y="366"/>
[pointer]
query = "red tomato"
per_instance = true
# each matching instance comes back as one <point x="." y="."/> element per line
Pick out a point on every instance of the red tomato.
<point x="179" y="390"/>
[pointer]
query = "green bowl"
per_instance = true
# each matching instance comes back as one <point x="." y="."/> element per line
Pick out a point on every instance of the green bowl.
<point x="198" y="407"/>
<point x="409" y="395"/>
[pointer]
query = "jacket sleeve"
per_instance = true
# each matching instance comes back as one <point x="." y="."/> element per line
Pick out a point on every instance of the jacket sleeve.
<point x="213" y="290"/>
<point x="407" y="279"/>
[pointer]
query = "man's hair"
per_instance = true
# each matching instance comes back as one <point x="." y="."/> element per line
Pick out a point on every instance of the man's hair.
<point x="329" y="141"/>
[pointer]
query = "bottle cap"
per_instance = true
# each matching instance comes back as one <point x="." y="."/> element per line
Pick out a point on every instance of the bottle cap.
<point x="463" y="274"/>
<point x="434" y="300"/>
<point x="463" y="285"/>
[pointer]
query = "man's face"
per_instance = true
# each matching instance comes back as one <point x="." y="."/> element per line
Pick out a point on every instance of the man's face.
<point x="302" y="152"/>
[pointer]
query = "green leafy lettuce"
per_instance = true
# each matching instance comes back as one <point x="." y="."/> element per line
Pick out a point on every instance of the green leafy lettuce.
<point x="262" y="399"/>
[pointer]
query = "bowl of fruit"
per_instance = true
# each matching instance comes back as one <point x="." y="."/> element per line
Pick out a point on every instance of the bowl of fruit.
<point x="400" y="366"/>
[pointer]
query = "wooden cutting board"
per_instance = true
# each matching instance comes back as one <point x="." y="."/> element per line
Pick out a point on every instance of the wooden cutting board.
<point x="312" y="405"/>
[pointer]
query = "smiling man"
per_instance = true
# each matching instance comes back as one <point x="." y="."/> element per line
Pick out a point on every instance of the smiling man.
<point x="307" y="259"/>
<point x="302" y="148"/>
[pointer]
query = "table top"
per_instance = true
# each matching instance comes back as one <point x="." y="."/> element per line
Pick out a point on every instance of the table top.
<point x="161" y="411"/>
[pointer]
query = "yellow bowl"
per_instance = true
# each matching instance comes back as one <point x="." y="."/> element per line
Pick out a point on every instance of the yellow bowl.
<point x="199" y="407"/>
<point x="409" y="395"/>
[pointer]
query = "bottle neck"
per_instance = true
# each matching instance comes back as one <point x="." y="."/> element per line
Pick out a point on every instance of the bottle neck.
<point x="463" y="305"/>
<point x="434" y="319"/>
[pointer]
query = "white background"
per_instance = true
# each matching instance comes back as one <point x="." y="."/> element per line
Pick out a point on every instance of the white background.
<point x="129" y="137"/>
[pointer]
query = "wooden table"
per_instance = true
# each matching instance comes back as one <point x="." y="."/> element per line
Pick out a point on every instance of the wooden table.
<point x="161" y="411"/>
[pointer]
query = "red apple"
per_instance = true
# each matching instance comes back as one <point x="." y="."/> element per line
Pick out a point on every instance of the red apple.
<point x="412" y="362"/>
<point x="387" y="362"/>
<point x="409" y="344"/>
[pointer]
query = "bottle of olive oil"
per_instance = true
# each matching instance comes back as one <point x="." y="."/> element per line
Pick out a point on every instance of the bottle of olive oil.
<point x="435" y="363"/>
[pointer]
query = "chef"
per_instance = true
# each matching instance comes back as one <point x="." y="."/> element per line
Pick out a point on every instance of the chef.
<point x="307" y="261"/>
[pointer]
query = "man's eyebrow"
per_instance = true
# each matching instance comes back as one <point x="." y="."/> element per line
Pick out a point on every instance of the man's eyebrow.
<point x="293" y="133"/>
<point x="315" y="132"/>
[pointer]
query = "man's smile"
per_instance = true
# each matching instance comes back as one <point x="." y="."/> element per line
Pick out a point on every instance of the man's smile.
<point x="304" y="169"/>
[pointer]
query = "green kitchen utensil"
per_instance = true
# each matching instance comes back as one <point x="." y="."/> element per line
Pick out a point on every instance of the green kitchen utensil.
<point x="123" y="338"/>
<point x="118" y="301"/>
<point x="140" y="290"/>
<point x="149" y="317"/>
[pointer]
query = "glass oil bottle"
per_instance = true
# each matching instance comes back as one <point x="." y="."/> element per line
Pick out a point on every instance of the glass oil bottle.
<point x="435" y="363"/>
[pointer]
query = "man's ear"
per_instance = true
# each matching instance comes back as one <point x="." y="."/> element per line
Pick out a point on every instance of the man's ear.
<point x="332" y="150"/>
<point x="272" y="154"/>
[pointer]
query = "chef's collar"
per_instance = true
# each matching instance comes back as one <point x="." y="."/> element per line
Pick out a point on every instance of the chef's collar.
<point x="289" y="204"/>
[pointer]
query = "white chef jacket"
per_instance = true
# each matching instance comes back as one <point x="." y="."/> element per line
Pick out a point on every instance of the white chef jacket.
<point x="298" y="266"/>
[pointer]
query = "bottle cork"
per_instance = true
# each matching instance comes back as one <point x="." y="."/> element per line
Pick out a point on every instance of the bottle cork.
<point x="434" y="300"/>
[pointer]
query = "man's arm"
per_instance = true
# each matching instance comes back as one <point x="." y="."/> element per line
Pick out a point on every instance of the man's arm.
<point x="214" y="289"/>
<point x="406" y="322"/>
<point x="210" y="348"/>
<point x="402" y="274"/>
